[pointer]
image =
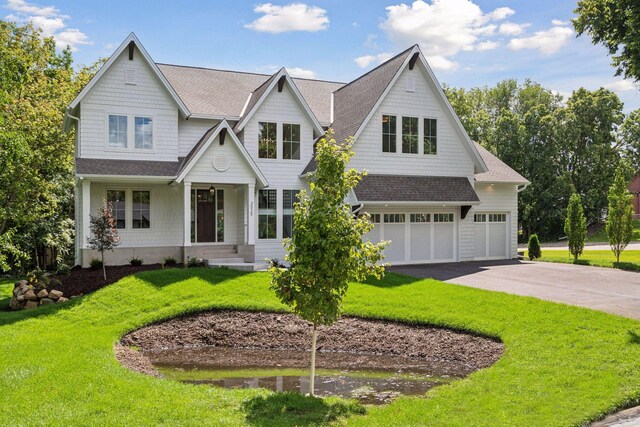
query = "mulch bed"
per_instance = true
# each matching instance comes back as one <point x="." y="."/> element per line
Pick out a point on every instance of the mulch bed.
<point x="276" y="331"/>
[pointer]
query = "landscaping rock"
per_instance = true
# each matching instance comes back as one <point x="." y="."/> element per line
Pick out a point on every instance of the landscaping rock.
<point x="14" y="304"/>
<point x="21" y="283"/>
<point x="63" y="299"/>
<point x="31" y="304"/>
<point x="30" y="295"/>
<point x="20" y="298"/>
<point x="43" y="294"/>
<point x="46" y="301"/>
<point x="54" y="294"/>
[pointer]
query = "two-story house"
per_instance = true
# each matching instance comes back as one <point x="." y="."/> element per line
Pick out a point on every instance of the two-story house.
<point x="207" y="163"/>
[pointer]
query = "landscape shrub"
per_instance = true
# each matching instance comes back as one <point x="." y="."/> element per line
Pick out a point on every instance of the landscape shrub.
<point x="533" y="248"/>
<point x="194" y="262"/>
<point x="169" y="262"/>
<point x="135" y="261"/>
<point x="95" y="264"/>
<point x="64" y="269"/>
<point x="41" y="279"/>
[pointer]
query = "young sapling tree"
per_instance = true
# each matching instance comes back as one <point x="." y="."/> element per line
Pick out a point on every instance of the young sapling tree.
<point x="104" y="234"/>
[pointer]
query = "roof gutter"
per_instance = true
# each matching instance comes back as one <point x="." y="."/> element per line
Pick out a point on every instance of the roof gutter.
<point x="523" y="187"/>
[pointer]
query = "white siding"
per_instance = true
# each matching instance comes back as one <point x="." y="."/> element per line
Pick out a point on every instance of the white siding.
<point x="148" y="98"/>
<point x="499" y="198"/>
<point x="237" y="173"/>
<point x="279" y="107"/>
<point x="189" y="133"/>
<point x="166" y="214"/>
<point x="452" y="159"/>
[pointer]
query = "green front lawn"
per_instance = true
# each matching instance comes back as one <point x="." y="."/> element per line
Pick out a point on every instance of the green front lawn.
<point x="562" y="365"/>
<point x="629" y="260"/>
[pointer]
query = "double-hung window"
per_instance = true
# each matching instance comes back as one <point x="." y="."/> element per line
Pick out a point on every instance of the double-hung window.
<point x="291" y="141"/>
<point x="430" y="136"/>
<point x="267" y="206"/>
<point x="388" y="134"/>
<point x="289" y="197"/>
<point x="117" y="131"/>
<point x="267" y="140"/>
<point x="143" y="133"/>
<point x="410" y="135"/>
<point x="118" y="206"/>
<point x="141" y="209"/>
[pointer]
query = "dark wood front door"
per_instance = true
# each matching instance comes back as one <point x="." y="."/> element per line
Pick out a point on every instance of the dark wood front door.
<point x="206" y="222"/>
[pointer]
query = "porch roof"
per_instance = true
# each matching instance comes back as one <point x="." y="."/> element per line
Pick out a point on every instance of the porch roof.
<point x="86" y="167"/>
<point x="404" y="188"/>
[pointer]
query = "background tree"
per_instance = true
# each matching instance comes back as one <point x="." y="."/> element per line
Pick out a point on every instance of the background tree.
<point x="533" y="248"/>
<point x="327" y="250"/>
<point x="615" y="24"/>
<point x="620" y="213"/>
<point x="629" y="137"/>
<point x="37" y="82"/>
<point x="104" y="234"/>
<point x="575" y="226"/>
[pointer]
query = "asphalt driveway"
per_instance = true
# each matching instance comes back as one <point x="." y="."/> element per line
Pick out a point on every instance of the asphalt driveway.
<point x="605" y="289"/>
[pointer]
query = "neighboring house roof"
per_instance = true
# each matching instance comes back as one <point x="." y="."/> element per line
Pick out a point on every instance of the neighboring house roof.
<point x="204" y="143"/>
<point x="258" y="96"/>
<point x="154" y="168"/>
<point x="221" y="93"/>
<point x="131" y="39"/>
<point x="499" y="172"/>
<point x="402" y="188"/>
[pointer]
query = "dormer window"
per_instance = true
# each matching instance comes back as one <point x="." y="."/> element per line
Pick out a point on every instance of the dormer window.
<point x="267" y="140"/>
<point x="117" y="131"/>
<point x="144" y="133"/>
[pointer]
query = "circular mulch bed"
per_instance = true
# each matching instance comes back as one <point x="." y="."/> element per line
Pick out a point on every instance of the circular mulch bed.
<point x="462" y="352"/>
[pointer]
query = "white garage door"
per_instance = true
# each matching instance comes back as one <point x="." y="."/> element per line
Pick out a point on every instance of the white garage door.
<point x="491" y="235"/>
<point x="416" y="237"/>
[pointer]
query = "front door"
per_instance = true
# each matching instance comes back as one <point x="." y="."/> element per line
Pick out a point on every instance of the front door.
<point x="210" y="218"/>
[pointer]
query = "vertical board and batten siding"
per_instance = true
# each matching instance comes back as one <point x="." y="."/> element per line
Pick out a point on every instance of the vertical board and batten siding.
<point x="279" y="107"/>
<point x="452" y="157"/>
<point x="166" y="214"/>
<point x="190" y="132"/>
<point x="238" y="172"/>
<point x="148" y="98"/>
<point x="499" y="198"/>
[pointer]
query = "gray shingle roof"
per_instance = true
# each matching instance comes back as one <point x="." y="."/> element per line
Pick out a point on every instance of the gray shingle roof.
<point x="223" y="93"/>
<point x="126" y="167"/>
<point x="402" y="188"/>
<point x="196" y="148"/>
<point x="498" y="170"/>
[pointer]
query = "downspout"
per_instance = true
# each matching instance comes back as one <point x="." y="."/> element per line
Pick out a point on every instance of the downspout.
<point x="523" y="187"/>
<point x="358" y="209"/>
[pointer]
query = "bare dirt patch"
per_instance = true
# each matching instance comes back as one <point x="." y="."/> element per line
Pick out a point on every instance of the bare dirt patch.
<point x="442" y="348"/>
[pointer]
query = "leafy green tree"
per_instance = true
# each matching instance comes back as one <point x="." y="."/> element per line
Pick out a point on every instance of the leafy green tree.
<point x="533" y="248"/>
<point x="615" y="24"/>
<point x="630" y="139"/>
<point x="620" y="213"/>
<point x="575" y="226"/>
<point x="327" y="250"/>
<point x="104" y="233"/>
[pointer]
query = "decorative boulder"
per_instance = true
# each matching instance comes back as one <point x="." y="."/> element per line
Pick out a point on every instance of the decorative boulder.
<point x="46" y="301"/>
<point x="31" y="304"/>
<point x="54" y="294"/>
<point x="43" y="294"/>
<point x="63" y="299"/>
<point x="30" y="295"/>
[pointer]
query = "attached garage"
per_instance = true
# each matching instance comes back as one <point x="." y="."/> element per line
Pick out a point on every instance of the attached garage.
<point x="492" y="238"/>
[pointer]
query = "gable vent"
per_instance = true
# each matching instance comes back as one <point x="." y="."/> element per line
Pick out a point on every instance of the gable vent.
<point x="131" y="77"/>
<point x="411" y="84"/>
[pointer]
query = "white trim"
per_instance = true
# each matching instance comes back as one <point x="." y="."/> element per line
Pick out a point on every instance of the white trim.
<point x="245" y="119"/>
<point x="419" y="203"/>
<point x="131" y="132"/>
<point x="244" y="107"/>
<point x="475" y="154"/>
<point x="243" y="151"/>
<point x="123" y="46"/>
<point x="118" y="178"/>
<point x="213" y="117"/>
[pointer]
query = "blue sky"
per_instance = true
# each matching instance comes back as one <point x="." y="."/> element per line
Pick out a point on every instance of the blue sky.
<point x="467" y="42"/>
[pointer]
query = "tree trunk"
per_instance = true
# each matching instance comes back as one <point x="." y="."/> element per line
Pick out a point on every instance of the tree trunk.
<point x="104" y="268"/>
<point x="312" y="376"/>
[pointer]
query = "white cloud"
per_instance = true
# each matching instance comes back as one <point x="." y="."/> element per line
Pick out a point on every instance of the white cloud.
<point x="488" y="45"/>
<point x="512" y="29"/>
<point x="442" y="28"/>
<point x="370" y="42"/>
<point x="547" y="42"/>
<point x="301" y="72"/>
<point x="559" y="23"/>
<point x="292" y="17"/>
<point x="49" y="20"/>
<point x="366" y="60"/>
<point x="621" y="86"/>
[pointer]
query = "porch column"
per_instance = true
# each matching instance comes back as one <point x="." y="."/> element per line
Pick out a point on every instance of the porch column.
<point x="187" y="213"/>
<point x="86" y="211"/>
<point x="251" y="217"/>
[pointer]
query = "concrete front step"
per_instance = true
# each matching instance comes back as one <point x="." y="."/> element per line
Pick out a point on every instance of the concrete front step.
<point x="220" y="255"/>
<point x="225" y="260"/>
<point x="240" y="266"/>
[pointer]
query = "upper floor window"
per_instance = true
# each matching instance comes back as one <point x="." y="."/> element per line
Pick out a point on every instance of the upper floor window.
<point x="144" y="133"/>
<point x="410" y="135"/>
<point x="290" y="141"/>
<point x="267" y="140"/>
<point x="430" y="136"/>
<point x="267" y="200"/>
<point x="289" y="197"/>
<point x="388" y="134"/>
<point x="118" y="206"/>
<point x="117" y="131"/>
<point x="141" y="209"/>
